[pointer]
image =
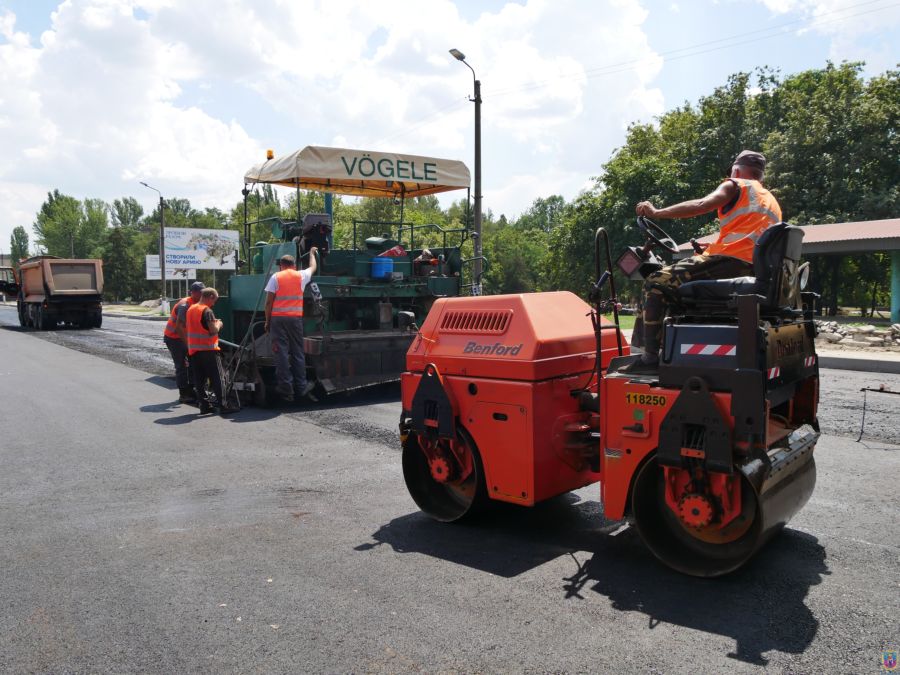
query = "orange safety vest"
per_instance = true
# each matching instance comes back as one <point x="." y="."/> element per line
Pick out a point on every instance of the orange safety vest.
<point x="289" y="296"/>
<point x="199" y="338"/>
<point x="171" y="323"/>
<point x="755" y="210"/>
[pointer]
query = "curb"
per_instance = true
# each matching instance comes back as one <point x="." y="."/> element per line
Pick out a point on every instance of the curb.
<point x="132" y="316"/>
<point x="863" y="364"/>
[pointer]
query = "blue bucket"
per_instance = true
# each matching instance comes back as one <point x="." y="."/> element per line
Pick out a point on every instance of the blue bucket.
<point x="382" y="268"/>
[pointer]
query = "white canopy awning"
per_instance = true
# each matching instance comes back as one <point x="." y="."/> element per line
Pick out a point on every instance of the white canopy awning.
<point x="362" y="173"/>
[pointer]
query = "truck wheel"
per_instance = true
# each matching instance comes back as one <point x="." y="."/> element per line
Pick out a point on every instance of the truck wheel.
<point x="23" y="318"/>
<point x="98" y="321"/>
<point x="45" y="321"/>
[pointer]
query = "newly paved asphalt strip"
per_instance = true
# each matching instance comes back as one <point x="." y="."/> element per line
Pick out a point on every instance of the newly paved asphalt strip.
<point x="139" y="536"/>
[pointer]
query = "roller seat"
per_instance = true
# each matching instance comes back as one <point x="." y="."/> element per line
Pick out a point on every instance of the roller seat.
<point x="776" y="266"/>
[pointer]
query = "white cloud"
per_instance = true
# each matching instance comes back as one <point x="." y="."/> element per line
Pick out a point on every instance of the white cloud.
<point x="857" y="30"/>
<point x="188" y="95"/>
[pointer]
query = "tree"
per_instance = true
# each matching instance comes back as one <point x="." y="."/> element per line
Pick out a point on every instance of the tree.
<point x="94" y="226"/>
<point x="544" y="214"/>
<point x="517" y="259"/>
<point x="126" y="213"/>
<point x="18" y="244"/>
<point x="832" y="145"/>
<point x="67" y="228"/>
<point x="58" y="224"/>
<point x="122" y="274"/>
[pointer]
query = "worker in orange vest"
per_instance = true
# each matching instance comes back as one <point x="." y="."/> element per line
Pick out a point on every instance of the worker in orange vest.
<point x="745" y="210"/>
<point x="284" y="323"/>
<point x="202" y="330"/>
<point x="176" y="341"/>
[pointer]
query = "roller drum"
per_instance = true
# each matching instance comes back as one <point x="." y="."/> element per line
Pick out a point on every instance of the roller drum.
<point x="773" y="490"/>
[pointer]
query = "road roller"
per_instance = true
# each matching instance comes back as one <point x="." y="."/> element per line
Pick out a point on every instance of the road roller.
<point x="520" y="398"/>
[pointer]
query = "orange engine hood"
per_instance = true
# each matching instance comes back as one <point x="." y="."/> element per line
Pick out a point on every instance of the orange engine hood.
<point x="527" y="336"/>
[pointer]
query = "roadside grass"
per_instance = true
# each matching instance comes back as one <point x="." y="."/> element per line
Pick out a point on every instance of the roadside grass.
<point x="626" y="322"/>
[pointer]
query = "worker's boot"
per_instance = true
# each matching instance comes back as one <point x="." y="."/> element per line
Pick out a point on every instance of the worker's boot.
<point x="187" y="395"/>
<point x="306" y="391"/>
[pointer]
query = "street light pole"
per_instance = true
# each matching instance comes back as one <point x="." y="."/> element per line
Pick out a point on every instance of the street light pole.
<point x="477" y="268"/>
<point x="162" y="245"/>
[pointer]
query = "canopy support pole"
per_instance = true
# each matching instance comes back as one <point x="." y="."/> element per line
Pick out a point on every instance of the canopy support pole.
<point x="329" y="209"/>
<point x="402" y="205"/>
<point x="246" y="193"/>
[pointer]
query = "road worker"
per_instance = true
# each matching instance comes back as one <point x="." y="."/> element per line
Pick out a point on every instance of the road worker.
<point x="745" y="209"/>
<point x="176" y="341"/>
<point x="284" y="323"/>
<point x="202" y="329"/>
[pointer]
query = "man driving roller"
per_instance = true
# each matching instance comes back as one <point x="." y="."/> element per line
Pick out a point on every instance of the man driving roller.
<point x="745" y="209"/>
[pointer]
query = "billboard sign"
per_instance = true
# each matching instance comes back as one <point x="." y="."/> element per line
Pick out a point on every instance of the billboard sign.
<point x="151" y="265"/>
<point x="201" y="249"/>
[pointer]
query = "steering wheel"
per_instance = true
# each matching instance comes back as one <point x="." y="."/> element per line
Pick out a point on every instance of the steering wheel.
<point x="656" y="234"/>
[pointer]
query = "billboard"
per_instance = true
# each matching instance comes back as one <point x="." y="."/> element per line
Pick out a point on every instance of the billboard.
<point x="151" y="265"/>
<point x="201" y="249"/>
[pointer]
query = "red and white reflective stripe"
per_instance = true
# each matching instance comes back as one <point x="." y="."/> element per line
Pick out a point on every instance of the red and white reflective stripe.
<point x="809" y="361"/>
<point x="774" y="372"/>
<point x="708" y="350"/>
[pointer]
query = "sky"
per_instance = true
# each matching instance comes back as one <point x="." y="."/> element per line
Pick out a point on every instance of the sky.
<point x="186" y="95"/>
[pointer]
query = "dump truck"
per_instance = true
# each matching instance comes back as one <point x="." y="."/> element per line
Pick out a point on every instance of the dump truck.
<point x="55" y="290"/>
<point x="519" y="398"/>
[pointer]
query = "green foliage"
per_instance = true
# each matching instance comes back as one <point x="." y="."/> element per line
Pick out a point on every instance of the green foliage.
<point x="126" y="213"/>
<point x="832" y="144"/>
<point x="18" y="244"/>
<point x="67" y="228"/>
<point x="516" y="260"/>
<point x="123" y="271"/>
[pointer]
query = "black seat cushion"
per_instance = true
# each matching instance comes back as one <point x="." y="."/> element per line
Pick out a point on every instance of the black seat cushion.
<point x="717" y="289"/>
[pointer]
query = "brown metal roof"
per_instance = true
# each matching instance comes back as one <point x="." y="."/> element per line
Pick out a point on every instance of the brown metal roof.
<point x="866" y="236"/>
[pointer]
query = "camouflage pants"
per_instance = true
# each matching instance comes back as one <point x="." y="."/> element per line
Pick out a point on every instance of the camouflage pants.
<point x="661" y="287"/>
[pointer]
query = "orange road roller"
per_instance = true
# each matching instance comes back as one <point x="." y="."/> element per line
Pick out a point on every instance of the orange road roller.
<point x="520" y="398"/>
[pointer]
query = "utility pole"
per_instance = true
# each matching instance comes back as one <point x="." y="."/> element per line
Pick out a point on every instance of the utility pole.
<point x="478" y="266"/>
<point x="164" y="303"/>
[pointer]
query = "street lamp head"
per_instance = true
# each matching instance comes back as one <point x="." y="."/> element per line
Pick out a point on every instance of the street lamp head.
<point x="152" y="188"/>
<point x="458" y="55"/>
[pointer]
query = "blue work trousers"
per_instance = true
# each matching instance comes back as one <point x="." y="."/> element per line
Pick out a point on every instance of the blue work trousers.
<point x="286" y="333"/>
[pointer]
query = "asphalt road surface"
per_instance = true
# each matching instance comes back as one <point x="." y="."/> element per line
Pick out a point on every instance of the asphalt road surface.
<point x="141" y="537"/>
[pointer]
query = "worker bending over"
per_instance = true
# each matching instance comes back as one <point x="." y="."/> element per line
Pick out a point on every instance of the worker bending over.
<point x="745" y="209"/>
<point x="175" y="338"/>
<point x="203" y="347"/>
<point x="284" y="323"/>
